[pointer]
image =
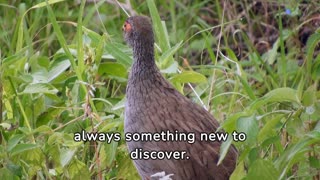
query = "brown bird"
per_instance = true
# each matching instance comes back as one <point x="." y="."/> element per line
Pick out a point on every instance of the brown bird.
<point x="153" y="105"/>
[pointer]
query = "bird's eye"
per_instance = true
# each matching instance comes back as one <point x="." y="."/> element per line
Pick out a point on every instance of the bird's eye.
<point x="126" y="27"/>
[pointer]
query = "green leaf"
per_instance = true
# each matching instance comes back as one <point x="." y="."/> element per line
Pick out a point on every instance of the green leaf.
<point x="294" y="127"/>
<point x="57" y="68"/>
<point x="158" y="26"/>
<point x="167" y="55"/>
<point x="95" y="37"/>
<point x="99" y="49"/>
<point x="118" y="54"/>
<point x="314" y="162"/>
<point x="188" y="77"/>
<point x="126" y="169"/>
<point x="253" y="155"/>
<point x="66" y="156"/>
<point x="9" y="173"/>
<point x="282" y="94"/>
<point x="173" y="68"/>
<point x="239" y="173"/>
<point x="294" y="153"/>
<point x="316" y="68"/>
<point x="78" y="170"/>
<point x="119" y="105"/>
<point x="249" y="126"/>
<point x="49" y="115"/>
<point x="111" y="125"/>
<point x="33" y="156"/>
<point x="309" y="96"/>
<point x="268" y="129"/>
<point x="40" y="75"/>
<point x="62" y="40"/>
<point x="80" y="51"/>
<point x="110" y="150"/>
<point x="16" y="169"/>
<point x="102" y="100"/>
<point x="43" y="129"/>
<point x="22" y="148"/>
<point x="39" y="88"/>
<point x="271" y="54"/>
<point x="43" y="4"/>
<point x="263" y="170"/>
<point x="13" y="141"/>
<point x="113" y="69"/>
<point x="230" y="123"/>
<point x="312" y="43"/>
<point x="13" y="59"/>
<point x="224" y="148"/>
<point x="277" y="95"/>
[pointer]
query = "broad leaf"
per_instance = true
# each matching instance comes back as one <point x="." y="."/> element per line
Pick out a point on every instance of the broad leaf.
<point x="188" y="77"/>
<point x="39" y="88"/>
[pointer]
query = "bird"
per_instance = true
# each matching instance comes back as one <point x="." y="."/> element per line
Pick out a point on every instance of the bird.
<point x="154" y="105"/>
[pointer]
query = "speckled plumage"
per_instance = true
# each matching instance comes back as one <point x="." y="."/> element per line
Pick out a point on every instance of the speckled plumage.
<point x="153" y="105"/>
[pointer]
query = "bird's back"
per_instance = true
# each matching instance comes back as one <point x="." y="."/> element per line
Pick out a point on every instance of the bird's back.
<point x="153" y="105"/>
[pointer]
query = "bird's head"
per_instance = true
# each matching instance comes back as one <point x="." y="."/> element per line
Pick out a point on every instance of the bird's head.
<point x="137" y="30"/>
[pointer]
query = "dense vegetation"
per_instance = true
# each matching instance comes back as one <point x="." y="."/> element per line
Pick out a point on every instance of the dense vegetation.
<point x="64" y="66"/>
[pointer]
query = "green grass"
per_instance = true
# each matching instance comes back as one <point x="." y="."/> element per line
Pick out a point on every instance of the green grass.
<point x="64" y="68"/>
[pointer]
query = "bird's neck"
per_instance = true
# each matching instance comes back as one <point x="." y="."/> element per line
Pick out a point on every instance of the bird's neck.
<point x="144" y="66"/>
